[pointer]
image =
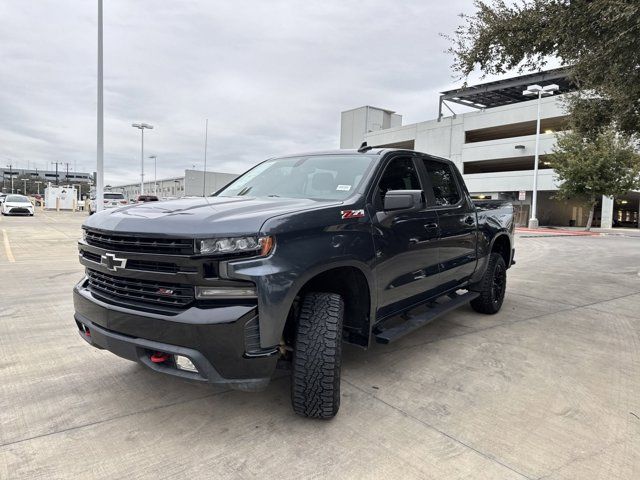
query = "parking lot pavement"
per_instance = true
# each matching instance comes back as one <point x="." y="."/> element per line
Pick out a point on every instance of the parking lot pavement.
<point x="547" y="388"/>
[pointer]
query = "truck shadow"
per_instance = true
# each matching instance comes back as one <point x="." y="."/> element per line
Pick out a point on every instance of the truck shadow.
<point x="356" y="363"/>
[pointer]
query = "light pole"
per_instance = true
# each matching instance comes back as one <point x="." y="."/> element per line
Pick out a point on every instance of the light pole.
<point x="100" y="114"/>
<point x="38" y="186"/>
<point x="141" y="126"/>
<point x="56" y="164"/>
<point x="540" y="92"/>
<point x="206" y="135"/>
<point x="155" y="174"/>
<point x="11" y="175"/>
<point x="24" y="181"/>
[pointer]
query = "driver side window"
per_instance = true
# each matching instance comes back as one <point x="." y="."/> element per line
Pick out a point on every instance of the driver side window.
<point x="400" y="174"/>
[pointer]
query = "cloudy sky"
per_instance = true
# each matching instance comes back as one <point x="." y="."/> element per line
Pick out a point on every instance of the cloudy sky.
<point x="271" y="76"/>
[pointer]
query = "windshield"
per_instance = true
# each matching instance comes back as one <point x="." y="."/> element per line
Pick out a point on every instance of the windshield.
<point x="17" y="199"/>
<point x="114" y="196"/>
<point x="330" y="177"/>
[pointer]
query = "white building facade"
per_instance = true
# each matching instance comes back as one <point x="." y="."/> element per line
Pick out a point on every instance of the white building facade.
<point x="192" y="184"/>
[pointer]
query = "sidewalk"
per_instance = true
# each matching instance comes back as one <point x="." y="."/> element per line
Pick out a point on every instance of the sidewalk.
<point x="576" y="232"/>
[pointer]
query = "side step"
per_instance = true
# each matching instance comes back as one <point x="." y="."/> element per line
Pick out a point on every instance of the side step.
<point x="434" y="311"/>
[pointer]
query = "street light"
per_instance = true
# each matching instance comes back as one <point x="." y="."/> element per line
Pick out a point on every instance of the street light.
<point x="141" y="126"/>
<point x="100" y="120"/>
<point x="10" y="175"/>
<point x="540" y="92"/>
<point x="38" y="184"/>
<point x="155" y="174"/>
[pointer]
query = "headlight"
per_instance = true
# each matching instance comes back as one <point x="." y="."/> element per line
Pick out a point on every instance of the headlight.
<point x="212" y="246"/>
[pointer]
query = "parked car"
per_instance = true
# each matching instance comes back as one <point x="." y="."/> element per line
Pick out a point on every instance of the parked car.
<point x="17" y="205"/>
<point x="146" y="198"/>
<point x="288" y="261"/>
<point x="2" y="197"/>
<point x="110" y="200"/>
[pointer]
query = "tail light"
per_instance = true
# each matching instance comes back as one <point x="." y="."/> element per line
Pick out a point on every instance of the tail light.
<point x="124" y="202"/>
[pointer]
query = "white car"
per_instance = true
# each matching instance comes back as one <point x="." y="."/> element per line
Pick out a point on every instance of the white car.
<point x="110" y="200"/>
<point x="17" y="204"/>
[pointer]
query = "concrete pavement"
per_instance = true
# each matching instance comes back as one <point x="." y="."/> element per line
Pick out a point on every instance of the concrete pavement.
<point x="547" y="388"/>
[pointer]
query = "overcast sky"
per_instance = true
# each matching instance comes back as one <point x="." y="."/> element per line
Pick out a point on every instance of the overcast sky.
<point x="271" y="76"/>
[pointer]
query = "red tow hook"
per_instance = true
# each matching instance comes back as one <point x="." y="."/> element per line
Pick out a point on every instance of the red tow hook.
<point x="159" y="357"/>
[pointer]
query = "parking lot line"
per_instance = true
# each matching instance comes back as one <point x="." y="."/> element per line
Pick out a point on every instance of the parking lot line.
<point x="7" y="247"/>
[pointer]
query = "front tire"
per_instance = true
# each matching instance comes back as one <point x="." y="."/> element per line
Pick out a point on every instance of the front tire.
<point x="315" y="379"/>
<point x="491" y="287"/>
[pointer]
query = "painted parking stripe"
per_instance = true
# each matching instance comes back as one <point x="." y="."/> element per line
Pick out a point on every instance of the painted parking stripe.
<point x="7" y="247"/>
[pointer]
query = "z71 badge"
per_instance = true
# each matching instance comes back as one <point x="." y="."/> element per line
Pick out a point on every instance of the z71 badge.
<point x="352" y="214"/>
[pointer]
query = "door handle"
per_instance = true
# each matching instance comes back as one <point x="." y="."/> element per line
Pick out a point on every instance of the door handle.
<point x="469" y="220"/>
<point x="430" y="226"/>
<point x="419" y="274"/>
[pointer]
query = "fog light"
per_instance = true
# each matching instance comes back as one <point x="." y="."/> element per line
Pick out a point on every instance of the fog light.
<point x="183" y="363"/>
<point x="225" y="292"/>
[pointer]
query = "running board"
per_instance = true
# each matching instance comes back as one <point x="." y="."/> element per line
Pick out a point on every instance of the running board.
<point x="434" y="311"/>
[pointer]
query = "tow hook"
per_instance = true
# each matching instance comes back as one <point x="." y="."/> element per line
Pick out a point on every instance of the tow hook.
<point x="159" y="357"/>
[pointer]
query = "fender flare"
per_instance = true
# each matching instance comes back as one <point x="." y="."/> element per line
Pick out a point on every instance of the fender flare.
<point x="310" y="274"/>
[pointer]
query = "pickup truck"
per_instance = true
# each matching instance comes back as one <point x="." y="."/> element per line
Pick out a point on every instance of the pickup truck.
<point x="287" y="262"/>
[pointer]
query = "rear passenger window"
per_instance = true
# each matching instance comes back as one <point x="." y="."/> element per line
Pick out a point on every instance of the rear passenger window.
<point x="443" y="181"/>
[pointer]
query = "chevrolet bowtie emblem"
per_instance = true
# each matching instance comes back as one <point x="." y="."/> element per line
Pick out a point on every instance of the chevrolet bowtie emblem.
<point x="112" y="262"/>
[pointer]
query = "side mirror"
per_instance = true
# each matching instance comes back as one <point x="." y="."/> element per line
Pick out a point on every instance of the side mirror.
<point x="403" y="200"/>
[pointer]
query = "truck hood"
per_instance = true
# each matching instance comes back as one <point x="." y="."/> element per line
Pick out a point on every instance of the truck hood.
<point x="200" y="217"/>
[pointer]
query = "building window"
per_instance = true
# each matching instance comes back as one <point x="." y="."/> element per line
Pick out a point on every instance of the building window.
<point x="520" y="129"/>
<point x="516" y="164"/>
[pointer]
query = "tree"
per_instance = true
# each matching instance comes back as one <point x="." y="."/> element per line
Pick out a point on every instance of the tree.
<point x="599" y="40"/>
<point x="606" y="164"/>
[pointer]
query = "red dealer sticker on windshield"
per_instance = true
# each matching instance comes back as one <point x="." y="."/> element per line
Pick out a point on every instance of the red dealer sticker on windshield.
<point x="352" y="213"/>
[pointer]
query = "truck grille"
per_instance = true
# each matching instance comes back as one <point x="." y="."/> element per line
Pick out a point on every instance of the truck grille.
<point x="143" y="265"/>
<point x="126" y="290"/>
<point x="130" y="243"/>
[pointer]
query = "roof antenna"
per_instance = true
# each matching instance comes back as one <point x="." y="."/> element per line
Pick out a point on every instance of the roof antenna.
<point x="364" y="148"/>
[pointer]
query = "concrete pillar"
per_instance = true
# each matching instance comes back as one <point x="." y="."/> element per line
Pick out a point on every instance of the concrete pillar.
<point x="606" y="217"/>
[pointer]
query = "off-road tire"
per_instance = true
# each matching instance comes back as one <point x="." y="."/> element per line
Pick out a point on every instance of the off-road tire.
<point x="315" y="377"/>
<point x="491" y="287"/>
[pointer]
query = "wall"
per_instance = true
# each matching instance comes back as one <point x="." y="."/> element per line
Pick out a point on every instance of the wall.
<point x="194" y="182"/>
<point x="354" y="124"/>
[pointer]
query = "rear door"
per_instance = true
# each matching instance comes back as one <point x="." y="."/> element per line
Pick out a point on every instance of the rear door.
<point x="457" y="222"/>
<point x="404" y="240"/>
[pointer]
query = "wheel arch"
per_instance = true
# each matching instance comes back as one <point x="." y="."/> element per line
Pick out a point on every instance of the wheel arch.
<point x="355" y="284"/>
<point x="501" y="244"/>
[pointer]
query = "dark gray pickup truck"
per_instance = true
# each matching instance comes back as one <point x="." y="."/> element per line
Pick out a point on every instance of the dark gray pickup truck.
<point x="291" y="259"/>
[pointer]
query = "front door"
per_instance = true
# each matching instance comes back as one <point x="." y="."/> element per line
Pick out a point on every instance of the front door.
<point x="405" y="241"/>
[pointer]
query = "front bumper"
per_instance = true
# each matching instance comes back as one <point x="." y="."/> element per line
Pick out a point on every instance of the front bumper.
<point x="18" y="210"/>
<point x="214" y="339"/>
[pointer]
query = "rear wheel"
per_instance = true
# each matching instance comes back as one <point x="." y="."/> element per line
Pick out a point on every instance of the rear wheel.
<point x="491" y="287"/>
<point x="315" y="379"/>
